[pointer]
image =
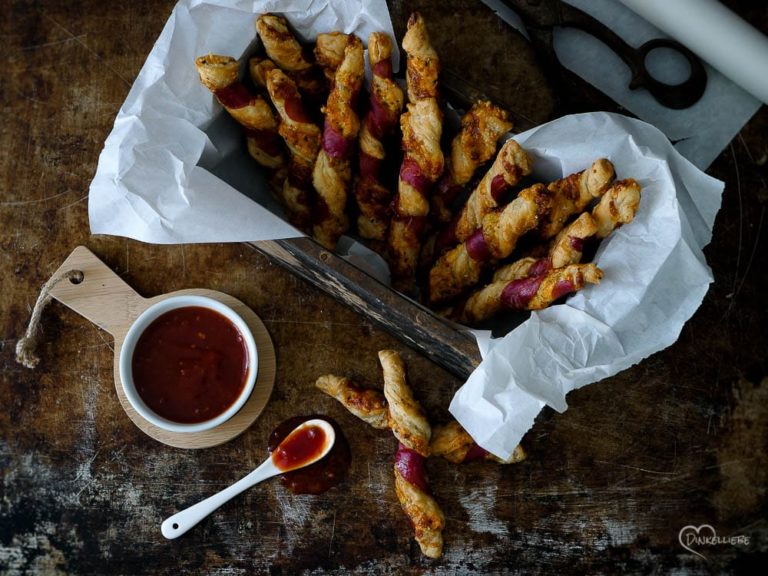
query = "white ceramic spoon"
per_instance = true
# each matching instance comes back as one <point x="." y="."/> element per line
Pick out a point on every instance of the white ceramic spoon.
<point x="180" y="522"/>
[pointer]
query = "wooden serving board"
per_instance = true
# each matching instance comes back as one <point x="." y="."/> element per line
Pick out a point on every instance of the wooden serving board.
<point x="103" y="298"/>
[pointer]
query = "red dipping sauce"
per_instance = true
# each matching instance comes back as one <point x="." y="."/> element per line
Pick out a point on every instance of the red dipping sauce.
<point x="323" y="474"/>
<point x="299" y="448"/>
<point x="190" y="364"/>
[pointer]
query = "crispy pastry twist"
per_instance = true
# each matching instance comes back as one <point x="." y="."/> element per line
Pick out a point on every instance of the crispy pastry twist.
<point x="332" y="173"/>
<point x="453" y="443"/>
<point x="329" y="52"/>
<point x="413" y="493"/>
<point x="566" y="248"/>
<point x="530" y="293"/>
<point x="386" y="104"/>
<point x="220" y="75"/>
<point x="302" y="136"/>
<point x="572" y="194"/>
<point x="285" y="51"/>
<point x="510" y="165"/>
<point x="367" y="404"/>
<point x="407" y="419"/>
<point x="423" y="161"/>
<point x="500" y="229"/>
<point x="618" y="206"/>
<point x="258" y="68"/>
<point x="473" y="146"/>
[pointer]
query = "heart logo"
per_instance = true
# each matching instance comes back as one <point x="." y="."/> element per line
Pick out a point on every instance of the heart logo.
<point x="690" y="535"/>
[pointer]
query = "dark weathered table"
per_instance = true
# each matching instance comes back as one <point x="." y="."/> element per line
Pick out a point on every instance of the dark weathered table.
<point x="678" y="440"/>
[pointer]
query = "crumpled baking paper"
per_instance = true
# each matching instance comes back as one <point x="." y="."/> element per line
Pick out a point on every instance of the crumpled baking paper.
<point x="174" y="170"/>
<point x="655" y="277"/>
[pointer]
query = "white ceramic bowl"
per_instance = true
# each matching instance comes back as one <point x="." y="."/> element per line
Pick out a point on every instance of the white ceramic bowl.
<point x="137" y="329"/>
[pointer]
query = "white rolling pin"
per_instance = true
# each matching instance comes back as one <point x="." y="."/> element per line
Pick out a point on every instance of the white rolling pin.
<point x="716" y="35"/>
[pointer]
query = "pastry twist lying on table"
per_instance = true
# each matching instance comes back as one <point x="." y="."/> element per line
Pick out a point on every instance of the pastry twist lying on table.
<point x="220" y="75"/>
<point x="500" y="229"/>
<point x="386" y="104"/>
<point x="473" y="146"/>
<point x="452" y="442"/>
<point x="397" y="409"/>
<point x="290" y="56"/>
<point x="302" y="136"/>
<point x="528" y="293"/>
<point x="332" y="172"/>
<point x="422" y="126"/>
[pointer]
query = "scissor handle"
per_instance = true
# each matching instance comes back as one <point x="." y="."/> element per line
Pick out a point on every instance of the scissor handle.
<point x="675" y="96"/>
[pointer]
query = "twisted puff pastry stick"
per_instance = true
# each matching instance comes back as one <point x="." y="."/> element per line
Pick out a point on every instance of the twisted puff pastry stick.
<point x="411" y="428"/>
<point x="367" y="404"/>
<point x="285" y="51"/>
<point x="423" y="161"/>
<point x="461" y="267"/>
<point x="258" y="68"/>
<point x="302" y="136"/>
<point x="386" y="103"/>
<point x="617" y="206"/>
<point x="220" y="75"/>
<point x="406" y="416"/>
<point x="418" y="504"/>
<point x="473" y="146"/>
<point x="572" y="194"/>
<point x="455" y="444"/>
<point x="530" y="293"/>
<point x="510" y="165"/>
<point x="329" y="52"/>
<point x="565" y="249"/>
<point x="332" y="172"/>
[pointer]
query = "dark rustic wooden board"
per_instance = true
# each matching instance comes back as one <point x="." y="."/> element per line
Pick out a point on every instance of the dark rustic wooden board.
<point x="443" y="342"/>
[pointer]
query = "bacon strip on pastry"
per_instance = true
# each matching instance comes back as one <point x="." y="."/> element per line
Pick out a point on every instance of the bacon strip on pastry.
<point x="332" y="172"/>
<point x="510" y="165"/>
<point x="220" y="75"/>
<point x="289" y="55"/>
<point x="302" y="136"/>
<point x="452" y="442"/>
<point x="573" y="193"/>
<point x="530" y="293"/>
<point x="386" y="104"/>
<point x="496" y="238"/>
<point x="406" y="416"/>
<point x="423" y="161"/>
<point x="367" y="404"/>
<point x="566" y="248"/>
<point x="473" y="146"/>
<point x="417" y="502"/>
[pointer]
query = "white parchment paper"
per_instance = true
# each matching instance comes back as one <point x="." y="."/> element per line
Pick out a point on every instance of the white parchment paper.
<point x="174" y="170"/>
<point x="655" y="277"/>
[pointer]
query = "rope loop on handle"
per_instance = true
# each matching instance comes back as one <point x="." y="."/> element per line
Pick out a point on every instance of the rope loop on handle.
<point x="25" y="347"/>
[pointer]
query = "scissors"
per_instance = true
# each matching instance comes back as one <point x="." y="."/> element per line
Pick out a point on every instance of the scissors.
<point x="540" y="17"/>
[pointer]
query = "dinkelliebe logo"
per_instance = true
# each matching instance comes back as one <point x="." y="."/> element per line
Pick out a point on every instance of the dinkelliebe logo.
<point x="705" y="535"/>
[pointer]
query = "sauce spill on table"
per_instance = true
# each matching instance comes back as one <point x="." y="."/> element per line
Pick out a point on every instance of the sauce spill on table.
<point x="322" y="475"/>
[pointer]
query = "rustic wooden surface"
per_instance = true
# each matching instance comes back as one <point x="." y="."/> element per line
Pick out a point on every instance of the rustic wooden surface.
<point x="678" y="440"/>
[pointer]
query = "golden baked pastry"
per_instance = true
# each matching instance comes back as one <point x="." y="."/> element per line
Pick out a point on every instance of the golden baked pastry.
<point x="367" y="404"/>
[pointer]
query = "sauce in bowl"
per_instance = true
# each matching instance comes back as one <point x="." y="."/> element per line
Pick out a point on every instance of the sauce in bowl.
<point x="190" y="364"/>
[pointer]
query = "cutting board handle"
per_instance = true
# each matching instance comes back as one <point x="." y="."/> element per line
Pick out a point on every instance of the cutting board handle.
<point x="101" y="296"/>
